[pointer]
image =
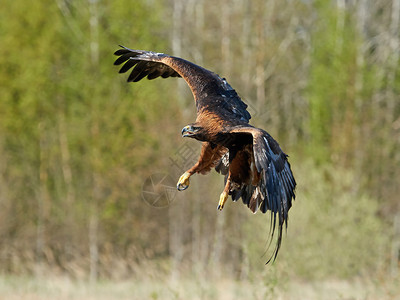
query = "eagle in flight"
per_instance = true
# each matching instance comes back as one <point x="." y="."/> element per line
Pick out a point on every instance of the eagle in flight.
<point x="255" y="167"/>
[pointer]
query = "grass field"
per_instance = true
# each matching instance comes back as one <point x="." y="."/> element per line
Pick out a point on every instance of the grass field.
<point x="34" y="288"/>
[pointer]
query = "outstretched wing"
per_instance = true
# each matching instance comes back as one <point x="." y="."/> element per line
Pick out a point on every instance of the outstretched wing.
<point x="210" y="91"/>
<point x="275" y="188"/>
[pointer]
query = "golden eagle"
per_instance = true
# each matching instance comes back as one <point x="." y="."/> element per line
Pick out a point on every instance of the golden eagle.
<point x="255" y="167"/>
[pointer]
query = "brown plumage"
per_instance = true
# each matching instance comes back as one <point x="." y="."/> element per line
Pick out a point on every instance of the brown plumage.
<point x="255" y="168"/>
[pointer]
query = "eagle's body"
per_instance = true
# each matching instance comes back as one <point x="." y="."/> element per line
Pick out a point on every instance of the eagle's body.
<point x="255" y="167"/>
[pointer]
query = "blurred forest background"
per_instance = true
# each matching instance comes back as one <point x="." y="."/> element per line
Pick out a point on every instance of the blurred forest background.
<point x="77" y="144"/>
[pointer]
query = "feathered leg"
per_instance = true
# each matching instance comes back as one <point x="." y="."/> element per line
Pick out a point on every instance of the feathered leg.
<point x="209" y="157"/>
<point x="225" y="194"/>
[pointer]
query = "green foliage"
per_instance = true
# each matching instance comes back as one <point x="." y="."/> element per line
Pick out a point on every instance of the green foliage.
<point x="69" y="129"/>
<point x="334" y="230"/>
<point x="330" y="91"/>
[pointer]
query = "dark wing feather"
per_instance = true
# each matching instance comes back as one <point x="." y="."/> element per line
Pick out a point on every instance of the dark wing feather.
<point x="223" y="164"/>
<point x="144" y="63"/>
<point x="277" y="183"/>
<point x="209" y="90"/>
<point x="222" y="98"/>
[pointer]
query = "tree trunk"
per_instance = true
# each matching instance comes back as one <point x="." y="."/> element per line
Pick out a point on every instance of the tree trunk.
<point x="96" y="188"/>
<point x="175" y="214"/>
<point x="43" y="199"/>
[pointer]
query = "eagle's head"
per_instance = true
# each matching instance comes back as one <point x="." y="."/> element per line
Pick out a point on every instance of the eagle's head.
<point x="194" y="131"/>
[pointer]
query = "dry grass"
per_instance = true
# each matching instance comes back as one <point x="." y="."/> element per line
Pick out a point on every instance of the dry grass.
<point x="61" y="288"/>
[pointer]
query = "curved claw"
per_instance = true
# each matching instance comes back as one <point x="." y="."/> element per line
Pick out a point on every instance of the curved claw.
<point x="183" y="182"/>
<point x="181" y="187"/>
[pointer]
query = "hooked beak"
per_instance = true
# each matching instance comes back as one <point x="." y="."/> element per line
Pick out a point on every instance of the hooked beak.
<point x="187" y="131"/>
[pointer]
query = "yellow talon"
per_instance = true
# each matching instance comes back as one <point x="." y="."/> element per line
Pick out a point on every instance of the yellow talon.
<point x="222" y="200"/>
<point x="183" y="182"/>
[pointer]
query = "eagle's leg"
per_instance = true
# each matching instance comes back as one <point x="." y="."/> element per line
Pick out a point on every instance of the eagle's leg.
<point x="225" y="194"/>
<point x="209" y="156"/>
<point x="183" y="182"/>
